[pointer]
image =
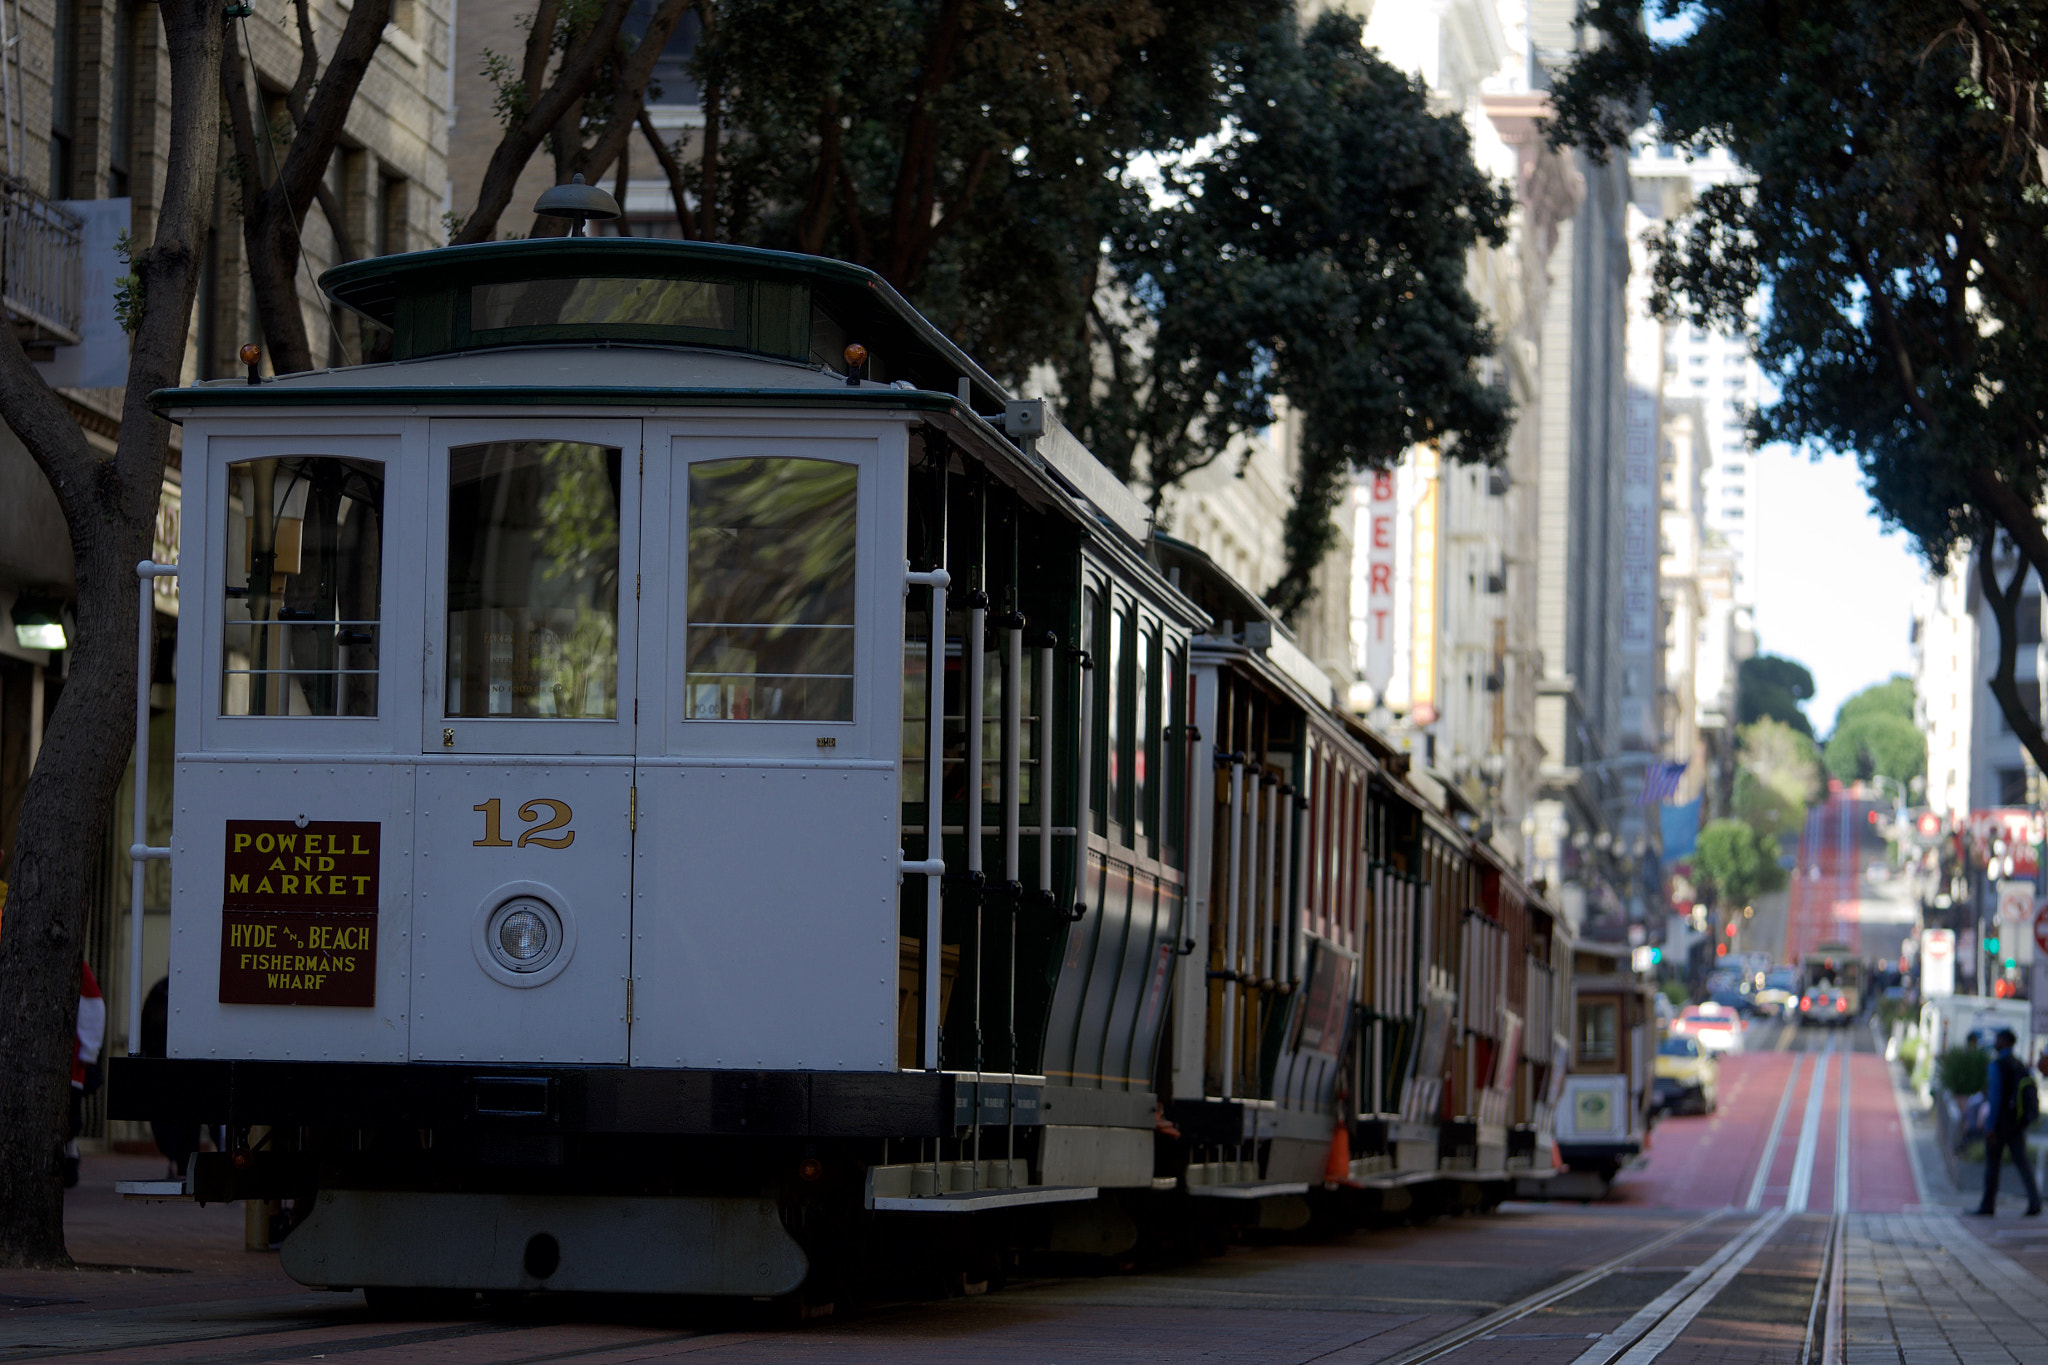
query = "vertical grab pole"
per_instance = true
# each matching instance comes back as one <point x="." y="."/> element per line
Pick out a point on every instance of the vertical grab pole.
<point x="971" y="717"/>
<point x="1013" y="735"/>
<point x="1045" y="732"/>
<point x="934" y="865"/>
<point x="139" y="850"/>
<point x="1230" y="944"/>
<point x="1084" y="824"/>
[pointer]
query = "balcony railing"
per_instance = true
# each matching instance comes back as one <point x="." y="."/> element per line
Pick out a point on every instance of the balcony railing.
<point x="41" y="271"/>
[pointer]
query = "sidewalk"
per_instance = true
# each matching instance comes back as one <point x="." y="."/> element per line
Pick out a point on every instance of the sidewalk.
<point x="1921" y="1287"/>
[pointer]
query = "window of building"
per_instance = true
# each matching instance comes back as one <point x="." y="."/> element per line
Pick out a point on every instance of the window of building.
<point x="533" y="581"/>
<point x="121" y="117"/>
<point x="63" y="94"/>
<point x="304" y="558"/>
<point x="2027" y="621"/>
<point x="671" y="84"/>
<point x="1734" y="470"/>
<point x="771" y="573"/>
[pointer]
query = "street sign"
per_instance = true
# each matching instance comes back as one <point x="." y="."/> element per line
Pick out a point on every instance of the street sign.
<point x="1938" y="962"/>
<point x="2015" y="901"/>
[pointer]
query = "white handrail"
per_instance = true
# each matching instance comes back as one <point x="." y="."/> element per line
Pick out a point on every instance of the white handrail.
<point x="1013" y="737"/>
<point x="1231" y="964"/>
<point x="1045" y="733"/>
<point x="934" y="865"/>
<point x="1084" y="823"/>
<point x="139" y="850"/>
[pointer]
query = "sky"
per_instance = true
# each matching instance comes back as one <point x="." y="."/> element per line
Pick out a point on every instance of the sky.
<point x="1834" y="590"/>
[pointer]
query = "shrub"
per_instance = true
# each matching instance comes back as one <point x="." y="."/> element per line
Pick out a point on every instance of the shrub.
<point x="1962" y="1070"/>
<point x="1677" y="994"/>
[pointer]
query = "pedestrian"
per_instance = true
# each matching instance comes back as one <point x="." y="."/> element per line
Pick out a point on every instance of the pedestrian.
<point x="2005" y="1128"/>
<point x="85" y="1063"/>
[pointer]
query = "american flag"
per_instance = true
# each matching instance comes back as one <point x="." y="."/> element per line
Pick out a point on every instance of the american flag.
<point x="1660" y="783"/>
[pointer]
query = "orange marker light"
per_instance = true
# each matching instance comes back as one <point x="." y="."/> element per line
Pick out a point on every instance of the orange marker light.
<point x="251" y="353"/>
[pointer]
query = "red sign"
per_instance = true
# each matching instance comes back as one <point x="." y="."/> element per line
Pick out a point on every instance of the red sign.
<point x="299" y="913"/>
<point x="2041" y="930"/>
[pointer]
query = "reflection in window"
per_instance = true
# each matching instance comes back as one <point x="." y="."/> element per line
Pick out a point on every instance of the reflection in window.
<point x="533" y="580"/>
<point x="770" y="632"/>
<point x="304" y="558"/>
<point x="589" y="300"/>
<point x="1597" y="1031"/>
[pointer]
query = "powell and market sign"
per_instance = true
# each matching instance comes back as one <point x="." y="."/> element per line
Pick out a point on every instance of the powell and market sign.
<point x="299" y="913"/>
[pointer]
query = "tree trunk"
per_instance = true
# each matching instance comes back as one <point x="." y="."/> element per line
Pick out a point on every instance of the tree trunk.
<point x="274" y="211"/>
<point x="2004" y="684"/>
<point x="2005" y="510"/>
<point x="109" y="509"/>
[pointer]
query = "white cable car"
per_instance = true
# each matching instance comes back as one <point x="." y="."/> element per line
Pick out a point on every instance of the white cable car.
<point x="556" y="899"/>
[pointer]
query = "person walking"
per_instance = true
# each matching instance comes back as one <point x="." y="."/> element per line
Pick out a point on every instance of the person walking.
<point x="2005" y="1128"/>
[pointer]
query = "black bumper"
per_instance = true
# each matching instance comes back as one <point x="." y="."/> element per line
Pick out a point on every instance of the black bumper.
<point x="814" y="1104"/>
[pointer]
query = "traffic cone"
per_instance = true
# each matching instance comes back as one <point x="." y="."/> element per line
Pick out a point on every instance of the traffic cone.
<point x="1337" y="1170"/>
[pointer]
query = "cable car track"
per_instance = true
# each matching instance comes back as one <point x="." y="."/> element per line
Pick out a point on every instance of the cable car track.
<point x="1653" y="1328"/>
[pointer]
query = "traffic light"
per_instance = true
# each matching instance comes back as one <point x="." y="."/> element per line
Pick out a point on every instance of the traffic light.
<point x="1730" y="931"/>
<point x="1990" y="943"/>
<point x="1656" y="955"/>
<point x="1720" y="950"/>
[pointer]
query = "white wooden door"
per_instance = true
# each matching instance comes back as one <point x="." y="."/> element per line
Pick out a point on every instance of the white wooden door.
<point x="521" y="952"/>
<point x="765" y="889"/>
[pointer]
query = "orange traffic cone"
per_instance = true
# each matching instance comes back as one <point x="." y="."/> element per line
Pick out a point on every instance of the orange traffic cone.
<point x="1337" y="1170"/>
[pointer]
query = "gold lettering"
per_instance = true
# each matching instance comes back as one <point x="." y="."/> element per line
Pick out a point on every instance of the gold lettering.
<point x="302" y="864"/>
<point x="359" y="844"/>
<point x="286" y="842"/>
<point x="238" y="881"/>
<point x="326" y="864"/>
<point x="264" y="888"/>
<point x="361" y="883"/>
<point x="241" y="842"/>
<point x="291" y="884"/>
<point x="276" y="865"/>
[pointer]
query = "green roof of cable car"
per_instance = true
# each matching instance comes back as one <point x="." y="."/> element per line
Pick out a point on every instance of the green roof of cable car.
<point x="777" y="301"/>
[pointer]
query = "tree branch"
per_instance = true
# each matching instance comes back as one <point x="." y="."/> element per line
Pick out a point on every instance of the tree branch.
<point x="573" y="78"/>
<point x="2005" y="607"/>
<point x="673" y="169"/>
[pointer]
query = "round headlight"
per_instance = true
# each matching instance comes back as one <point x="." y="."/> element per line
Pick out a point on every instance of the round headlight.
<point x="525" y="935"/>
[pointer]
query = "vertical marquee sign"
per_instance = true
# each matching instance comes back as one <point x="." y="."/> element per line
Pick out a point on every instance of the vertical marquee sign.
<point x="298" y="921"/>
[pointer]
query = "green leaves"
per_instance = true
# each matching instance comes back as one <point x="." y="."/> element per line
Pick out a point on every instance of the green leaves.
<point x="1735" y="864"/>
<point x="1876" y="736"/>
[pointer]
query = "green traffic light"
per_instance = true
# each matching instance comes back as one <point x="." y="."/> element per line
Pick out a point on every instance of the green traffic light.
<point x="1990" y="945"/>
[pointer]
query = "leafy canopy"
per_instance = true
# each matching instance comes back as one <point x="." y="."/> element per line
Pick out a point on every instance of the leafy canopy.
<point x="1316" y="253"/>
<point x="1875" y="735"/>
<point x="1308" y="241"/>
<point x="1777" y="779"/>
<point x="1768" y="687"/>
<point x="1735" y="864"/>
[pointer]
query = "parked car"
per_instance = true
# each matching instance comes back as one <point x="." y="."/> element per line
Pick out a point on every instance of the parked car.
<point x="1717" y="1028"/>
<point x="1773" y="1001"/>
<point x="1688" y="1077"/>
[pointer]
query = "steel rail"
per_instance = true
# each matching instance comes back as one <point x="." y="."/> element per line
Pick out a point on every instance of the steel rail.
<point x="1458" y="1337"/>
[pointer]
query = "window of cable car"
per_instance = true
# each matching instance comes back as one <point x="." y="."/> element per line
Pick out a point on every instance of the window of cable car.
<point x="533" y="581"/>
<point x="1599" y="1031"/>
<point x="597" y="300"/>
<point x="770" y="632"/>
<point x="305" y="538"/>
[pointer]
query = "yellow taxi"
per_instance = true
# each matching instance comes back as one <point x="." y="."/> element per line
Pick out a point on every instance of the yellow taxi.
<point x="1688" y="1077"/>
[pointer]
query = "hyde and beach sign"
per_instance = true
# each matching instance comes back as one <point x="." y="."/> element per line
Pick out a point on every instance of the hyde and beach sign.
<point x="299" y="913"/>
